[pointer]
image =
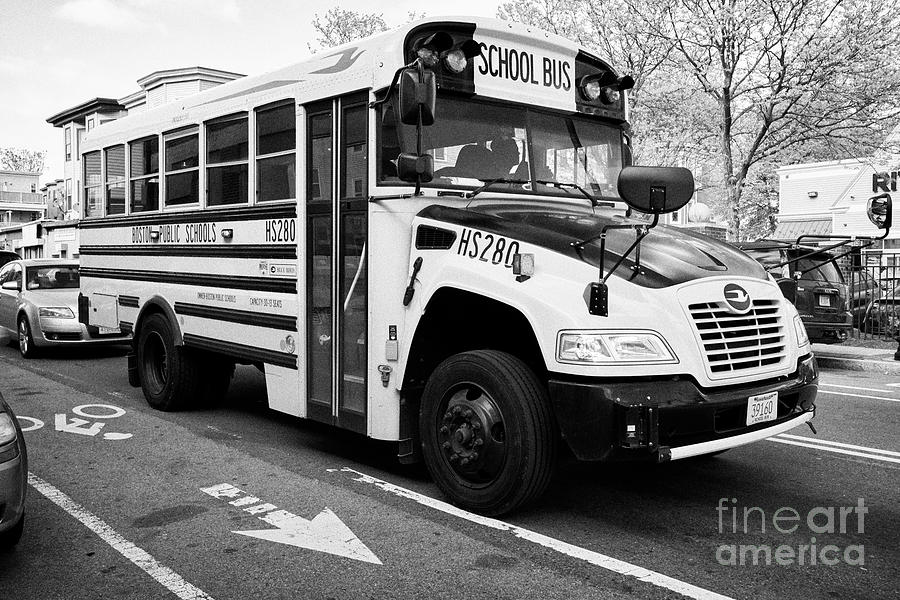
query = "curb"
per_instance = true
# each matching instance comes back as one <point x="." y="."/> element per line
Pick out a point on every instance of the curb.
<point x="857" y="364"/>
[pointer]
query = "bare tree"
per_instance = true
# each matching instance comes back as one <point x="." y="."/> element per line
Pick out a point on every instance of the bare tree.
<point x="340" y="26"/>
<point x="22" y="160"/>
<point x="784" y="73"/>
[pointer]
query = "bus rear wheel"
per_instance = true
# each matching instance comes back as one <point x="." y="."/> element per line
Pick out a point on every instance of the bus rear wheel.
<point x="169" y="373"/>
<point x="487" y="432"/>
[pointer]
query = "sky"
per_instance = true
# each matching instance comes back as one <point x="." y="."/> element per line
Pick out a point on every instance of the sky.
<point x="56" y="54"/>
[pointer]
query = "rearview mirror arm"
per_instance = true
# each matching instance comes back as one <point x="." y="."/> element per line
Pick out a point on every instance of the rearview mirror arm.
<point x="641" y="232"/>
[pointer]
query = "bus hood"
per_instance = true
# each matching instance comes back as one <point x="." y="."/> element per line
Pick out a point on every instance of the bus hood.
<point x="669" y="255"/>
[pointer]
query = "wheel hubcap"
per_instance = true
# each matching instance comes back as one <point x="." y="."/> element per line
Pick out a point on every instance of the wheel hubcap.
<point x="23" y="337"/>
<point x="472" y="434"/>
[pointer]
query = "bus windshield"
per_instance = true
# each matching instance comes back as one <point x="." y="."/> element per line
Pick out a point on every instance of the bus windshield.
<point x="473" y="142"/>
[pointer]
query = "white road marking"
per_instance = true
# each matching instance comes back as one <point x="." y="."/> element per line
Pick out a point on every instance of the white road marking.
<point x="589" y="556"/>
<point x="323" y="533"/>
<point x="859" y="396"/>
<point x="76" y="425"/>
<point x="804" y="438"/>
<point x="168" y="578"/>
<point x="35" y="423"/>
<point x="81" y="412"/>
<point x="835" y="450"/>
<point x="856" y="387"/>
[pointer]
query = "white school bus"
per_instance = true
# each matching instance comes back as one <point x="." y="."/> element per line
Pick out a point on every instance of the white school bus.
<point x="434" y="236"/>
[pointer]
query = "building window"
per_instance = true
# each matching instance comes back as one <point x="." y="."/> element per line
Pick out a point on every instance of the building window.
<point x="145" y="174"/>
<point x="90" y="124"/>
<point x="182" y="168"/>
<point x="93" y="185"/>
<point x="68" y="194"/>
<point x="226" y="160"/>
<point x="115" y="180"/>
<point x="275" y="159"/>
<point x="68" y="144"/>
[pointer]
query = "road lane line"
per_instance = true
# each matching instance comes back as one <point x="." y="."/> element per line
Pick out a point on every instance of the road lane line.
<point x="855" y="387"/>
<point x="836" y="450"/>
<point x="859" y="395"/>
<point x="171" y="580"/>
<point x="804" y="438"/>
<point x="589" y="556"/>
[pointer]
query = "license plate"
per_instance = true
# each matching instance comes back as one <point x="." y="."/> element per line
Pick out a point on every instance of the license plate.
<point x="108" y="330"/>
<point x="762" y="408"/>
<point x="824" y="300"/>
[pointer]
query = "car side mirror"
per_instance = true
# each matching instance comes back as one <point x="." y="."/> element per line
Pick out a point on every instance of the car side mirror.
<point x="416" y="93"/>
<point x="415" y="168"/>
<point x="879" y="210"/>
<point x="12" y="285"/>
<point x="656" y="190"/>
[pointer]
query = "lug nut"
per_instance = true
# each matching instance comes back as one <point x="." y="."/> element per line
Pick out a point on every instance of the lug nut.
<point x="456" y="410"/>
<point x="478" y="442"/>
<point x="445" y="430"/>
<point x="474" y="456"/>
<point x="468" y="414"/>
<point x="476" y="425"/>
<point x="454" y="457"/>
<point x="464" y="462"/>
<point x="445" y="445"/>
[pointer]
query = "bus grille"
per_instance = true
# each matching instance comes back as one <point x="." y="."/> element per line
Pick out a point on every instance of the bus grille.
<point x="740" y="343"/>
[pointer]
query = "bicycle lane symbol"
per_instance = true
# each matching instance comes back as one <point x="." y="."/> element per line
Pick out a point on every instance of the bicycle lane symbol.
<point x="81" y="423"/>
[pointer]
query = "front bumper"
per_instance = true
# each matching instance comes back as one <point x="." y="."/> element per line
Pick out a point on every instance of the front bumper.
<point x="63" y="332"/>
<point x="827" y="333"/>
<point x="665" y="419"/>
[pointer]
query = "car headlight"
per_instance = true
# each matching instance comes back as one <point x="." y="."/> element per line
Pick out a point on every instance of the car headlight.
<point x="58" y="312"/>
<point x="591" y="347"/>
<point x="7" y="429"/>
<point x="800" y="330"/>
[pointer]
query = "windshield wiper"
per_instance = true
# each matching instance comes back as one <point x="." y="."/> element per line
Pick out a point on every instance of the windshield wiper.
<point x="491" y="182"/>
<point x="563" y="185"/>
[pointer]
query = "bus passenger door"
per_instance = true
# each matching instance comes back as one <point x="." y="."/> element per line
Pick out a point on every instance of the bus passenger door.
<point x="336" y="265"/>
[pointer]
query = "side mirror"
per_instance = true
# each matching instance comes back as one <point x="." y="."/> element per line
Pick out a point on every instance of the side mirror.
<point x="656" y="190"/>
<point x="415" y="94"/>
<point x="788" y="287"/>
<point x="12" y="285"/>
<point x="415" y="168"/>
<point x="879" y="210"/>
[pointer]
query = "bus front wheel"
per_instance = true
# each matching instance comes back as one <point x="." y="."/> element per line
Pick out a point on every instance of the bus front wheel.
<point x="169" y="373"/>
<point x="487" y="431"/>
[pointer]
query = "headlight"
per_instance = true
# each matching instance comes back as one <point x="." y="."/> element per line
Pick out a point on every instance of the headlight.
<point x="612" y="347"/>
<point x="59" y="312"/>
<point x="800" y="329"/>
<point x="7" y="429"/>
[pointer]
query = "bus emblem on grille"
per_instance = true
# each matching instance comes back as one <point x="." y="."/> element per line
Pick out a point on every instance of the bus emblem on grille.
<point x="737" y="298"/>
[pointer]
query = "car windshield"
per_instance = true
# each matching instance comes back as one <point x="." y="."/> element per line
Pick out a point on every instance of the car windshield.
<point x="474" y="142"/>
<point x="52" y="277"/>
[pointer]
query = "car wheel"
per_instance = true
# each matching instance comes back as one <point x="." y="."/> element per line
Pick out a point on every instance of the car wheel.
<point x="487" y="431"/>
<point x="11" y="537"/>
<point x="26" y="339"/>
<point x="170" y="374"/>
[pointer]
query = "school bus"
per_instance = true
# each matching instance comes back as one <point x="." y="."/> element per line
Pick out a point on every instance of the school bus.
<point x="436" y="236"/>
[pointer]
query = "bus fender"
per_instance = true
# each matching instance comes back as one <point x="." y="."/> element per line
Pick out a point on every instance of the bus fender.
<point x="161" y="305"/>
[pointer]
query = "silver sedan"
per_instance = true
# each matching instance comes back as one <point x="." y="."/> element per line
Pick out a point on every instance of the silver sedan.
<point x="39" y="306"/>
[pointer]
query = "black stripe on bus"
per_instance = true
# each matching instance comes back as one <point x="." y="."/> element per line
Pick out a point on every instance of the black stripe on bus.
<point x="244" y="317"/>
<point x="245" y="213"/>
<point x="126" y="327"/>
<point x="130" y="301"/>
<point x="234" y="282"/>
<point x="260" y="251"/>
<point x="241" y="352"/>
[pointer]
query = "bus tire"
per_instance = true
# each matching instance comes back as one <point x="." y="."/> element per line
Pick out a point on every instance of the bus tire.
<point x="488" y="435"/>
<point x="169" y="374"/>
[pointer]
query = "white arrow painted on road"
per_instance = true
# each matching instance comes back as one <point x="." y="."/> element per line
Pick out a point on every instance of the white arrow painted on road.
<point x="324" y="533"/>
<point x="76" y="425"/>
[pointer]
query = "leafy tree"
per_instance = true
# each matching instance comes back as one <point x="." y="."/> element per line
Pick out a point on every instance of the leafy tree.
<point x="22" y="160"/>
<point x="340" y="26"/>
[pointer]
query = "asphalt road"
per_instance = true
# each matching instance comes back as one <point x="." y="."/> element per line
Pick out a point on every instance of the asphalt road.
<point x="148" y="504"/>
